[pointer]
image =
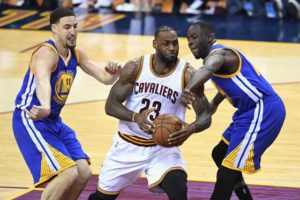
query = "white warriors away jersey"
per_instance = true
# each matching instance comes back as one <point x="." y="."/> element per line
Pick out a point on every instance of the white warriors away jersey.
<point x="152" y="90"/>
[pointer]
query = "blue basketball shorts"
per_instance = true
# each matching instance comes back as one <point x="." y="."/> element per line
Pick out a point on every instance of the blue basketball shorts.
<point x="48" y="146"/>
<point x="251" y="133"/>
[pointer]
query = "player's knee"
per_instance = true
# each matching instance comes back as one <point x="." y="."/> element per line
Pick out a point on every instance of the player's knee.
<point x="227" y="175"/>
<point x="174" y="184"/>
<point x="219" y="152"/>
<point x="101" y="196"/>
<point x="70" y="175"/>
<point x="85" y="173"/>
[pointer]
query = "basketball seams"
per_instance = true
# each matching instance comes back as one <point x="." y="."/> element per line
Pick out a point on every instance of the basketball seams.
<point x="165" y="125"/>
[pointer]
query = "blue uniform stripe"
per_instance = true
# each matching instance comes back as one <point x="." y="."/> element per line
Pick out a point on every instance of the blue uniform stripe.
<point x="28" y="87"/>
<point x="254" y="92"/>
<point x="40" y="143"/>
<point x="251" y="135"/>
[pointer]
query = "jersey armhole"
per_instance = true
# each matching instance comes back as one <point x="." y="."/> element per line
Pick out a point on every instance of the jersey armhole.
<point x="77" y="55"/>
<point x="237" y="70"/>
<point x="45" y="44"/>
<point x="183" y="76"/>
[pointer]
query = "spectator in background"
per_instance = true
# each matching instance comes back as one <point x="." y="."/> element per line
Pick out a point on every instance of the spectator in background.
<point x="264" y="8"/>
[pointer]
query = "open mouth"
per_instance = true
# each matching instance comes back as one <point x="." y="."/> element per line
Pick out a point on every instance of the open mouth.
<point x="71" y="39"/>
<point x="194" y="51"/>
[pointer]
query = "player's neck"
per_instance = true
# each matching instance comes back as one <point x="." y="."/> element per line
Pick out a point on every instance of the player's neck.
<point x="62" y="51"/>
<point x="161" y="67"/>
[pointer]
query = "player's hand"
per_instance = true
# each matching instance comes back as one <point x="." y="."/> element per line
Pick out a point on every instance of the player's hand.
<point x="143" y="122"/>
<point x="177" y="138"/>
<point x="113" y="68"/>
<point x="187" y="97"/>
<point x="37" y="112"/>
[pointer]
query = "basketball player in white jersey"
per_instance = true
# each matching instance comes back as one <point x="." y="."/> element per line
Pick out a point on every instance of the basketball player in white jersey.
<point x="151" y="85"/>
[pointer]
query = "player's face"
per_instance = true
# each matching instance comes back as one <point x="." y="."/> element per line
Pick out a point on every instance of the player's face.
<point x="166" y="46"/>
<point x="198" y="42"/>
<point x="66" y="30"/>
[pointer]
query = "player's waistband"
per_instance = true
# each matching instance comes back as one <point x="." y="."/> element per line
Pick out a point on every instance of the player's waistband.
<point x="137" y="140"/>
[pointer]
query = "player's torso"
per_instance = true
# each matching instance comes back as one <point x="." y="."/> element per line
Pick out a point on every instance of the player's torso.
<point x="151" y="90"/>
<point x="245" y="87"/>
<point x="61" y="81"/>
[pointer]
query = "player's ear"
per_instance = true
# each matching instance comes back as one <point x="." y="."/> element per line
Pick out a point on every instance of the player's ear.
<point x="154" y="43"/>
<point x="211" y="37"/>
<point x="54" y="28"/>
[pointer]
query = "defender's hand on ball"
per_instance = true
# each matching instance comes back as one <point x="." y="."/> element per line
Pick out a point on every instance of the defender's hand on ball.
<point x="177" y="138"/>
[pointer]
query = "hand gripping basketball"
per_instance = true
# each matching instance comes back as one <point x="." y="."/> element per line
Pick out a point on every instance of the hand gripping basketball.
<point x="164" y="126"/>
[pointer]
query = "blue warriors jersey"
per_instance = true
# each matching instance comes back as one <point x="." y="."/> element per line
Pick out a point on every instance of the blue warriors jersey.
<point x="61" y="81"/>
<point x="259" y="117"/>
<point x="245" y="87"/>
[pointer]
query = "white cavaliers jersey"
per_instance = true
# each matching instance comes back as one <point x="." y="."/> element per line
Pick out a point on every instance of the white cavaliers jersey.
<point x="152" y="90"/>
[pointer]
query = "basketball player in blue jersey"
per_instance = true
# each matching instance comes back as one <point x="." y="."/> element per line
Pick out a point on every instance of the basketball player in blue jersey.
<point x="256" y="123"/>
<point x="151" y="85"/>
<point x="49" y="147"/>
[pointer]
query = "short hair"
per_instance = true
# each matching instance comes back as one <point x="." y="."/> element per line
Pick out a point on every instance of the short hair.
<point x="59" y="13"/>
<point x="162" y="29"/>
<point x="207" y="27"/>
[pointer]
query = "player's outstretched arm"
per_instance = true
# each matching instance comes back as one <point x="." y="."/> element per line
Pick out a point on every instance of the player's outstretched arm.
<point x="107" y="75"/>
<point x="215" y="102"/>
<point x="211" y="64"/>
<point x="203" y="118"/>
<point x="42" y="64"/>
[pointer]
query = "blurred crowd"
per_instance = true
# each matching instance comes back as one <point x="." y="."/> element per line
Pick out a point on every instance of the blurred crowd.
<point x="253" y="8"/>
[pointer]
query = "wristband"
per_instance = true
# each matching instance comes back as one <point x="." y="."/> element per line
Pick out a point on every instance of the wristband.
<point x="132" y="119"/>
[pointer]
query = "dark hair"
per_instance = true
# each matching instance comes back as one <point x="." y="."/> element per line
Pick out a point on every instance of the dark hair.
<point x="162" y="29"/>
<point x="207" y="27"/>
<point x="59" y="13"/>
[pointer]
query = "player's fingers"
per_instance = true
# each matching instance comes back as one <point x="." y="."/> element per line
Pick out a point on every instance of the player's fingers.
<point x="29" y="115"/>
<point x="149" y="110"/>
<point x="110" y="67"/>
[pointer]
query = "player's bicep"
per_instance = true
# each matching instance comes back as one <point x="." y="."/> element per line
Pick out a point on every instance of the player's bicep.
<point x="120" y="91"/>
<point x="123" y="87"/>
<point x="214" y="62"/>
<point x="43" y="62"/>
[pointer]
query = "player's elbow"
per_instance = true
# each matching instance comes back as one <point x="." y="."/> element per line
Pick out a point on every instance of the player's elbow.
<point x="207" y="123"/>
<point x="108" y="108"/>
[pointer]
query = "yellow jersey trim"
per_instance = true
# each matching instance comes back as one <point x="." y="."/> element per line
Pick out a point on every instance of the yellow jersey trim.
<point x="67" y="59"/>
<point x="107" y="192"/>
<point x="238" y="69"/>
<point x="44" y="44"/>
<point x="137" y="140"/>
<point x="45" y="179"/>
<point x="156" y="183"/>
<point x="77" y="55"/>
<point x="224" y="140"/>
<point x="160" y="75"/>
<point x="241" y="170"/>
<point x="183" y="76"/>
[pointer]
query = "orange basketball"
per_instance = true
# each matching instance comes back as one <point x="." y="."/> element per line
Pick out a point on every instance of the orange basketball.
<point x="164" y="125"/>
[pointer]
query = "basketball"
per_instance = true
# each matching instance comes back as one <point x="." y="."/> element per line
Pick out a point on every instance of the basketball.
<point x="164" y="125"/>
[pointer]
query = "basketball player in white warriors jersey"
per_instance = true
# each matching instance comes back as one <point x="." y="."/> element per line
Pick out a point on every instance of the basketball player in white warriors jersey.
<point x="151" y="85"/>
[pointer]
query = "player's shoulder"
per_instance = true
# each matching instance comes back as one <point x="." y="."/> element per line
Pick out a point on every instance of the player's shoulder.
<point x="131" y="69"/>
<point x="45" y="52"/>
<point x="135" y="62"/>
